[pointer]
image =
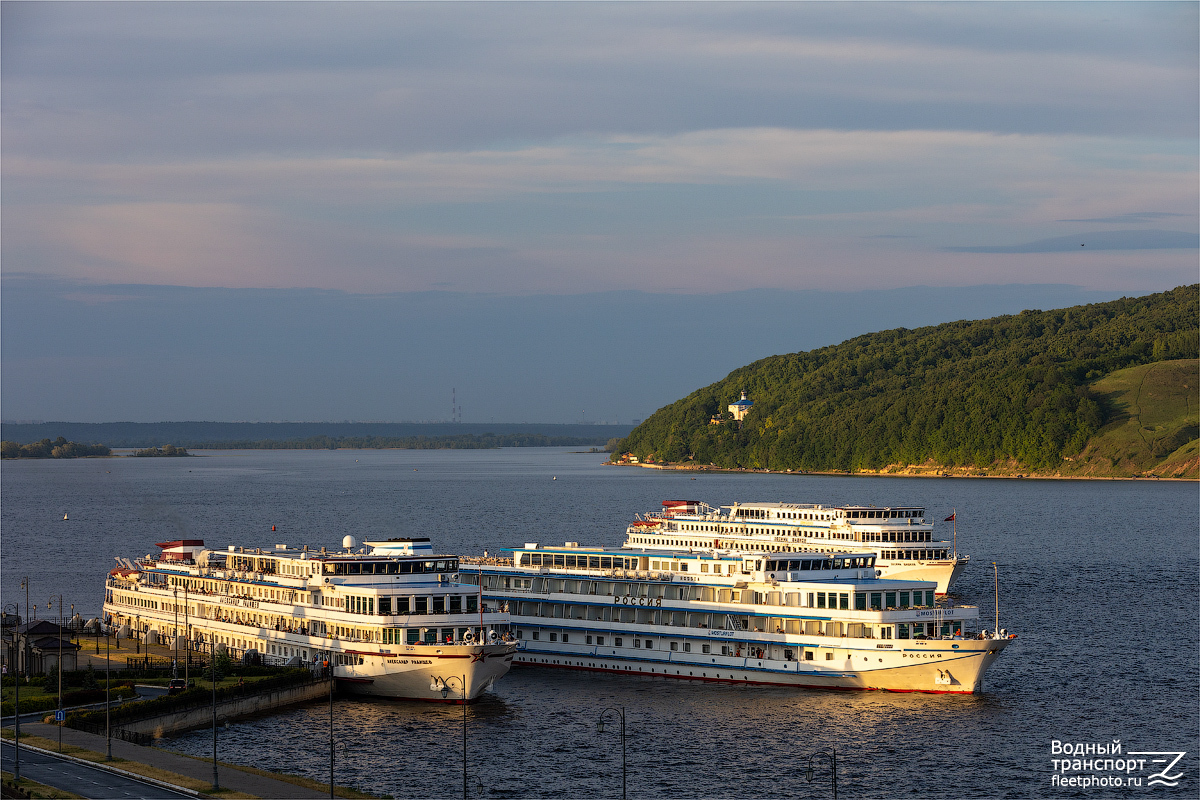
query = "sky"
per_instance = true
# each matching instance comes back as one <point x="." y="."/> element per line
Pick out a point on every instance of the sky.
<point x="374" y="153"/>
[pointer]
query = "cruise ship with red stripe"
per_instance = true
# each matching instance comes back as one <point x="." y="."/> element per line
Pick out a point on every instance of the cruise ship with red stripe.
<point x="901" y="537"/>
<point x="392" y="618"/>
<point x="778" y="618"/>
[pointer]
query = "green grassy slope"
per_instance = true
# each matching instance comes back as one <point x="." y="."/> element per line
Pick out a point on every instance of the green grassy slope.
<point x="1154" y="423"/>
<point x="1019" y="394"/>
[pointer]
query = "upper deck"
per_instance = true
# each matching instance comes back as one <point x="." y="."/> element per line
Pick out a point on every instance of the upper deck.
<point x="718" y="568"/>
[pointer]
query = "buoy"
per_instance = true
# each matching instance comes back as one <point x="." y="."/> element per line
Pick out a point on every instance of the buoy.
<point x="272" y="527"/>
<point x="554" y="478"/>
<point x="64" y="516"/>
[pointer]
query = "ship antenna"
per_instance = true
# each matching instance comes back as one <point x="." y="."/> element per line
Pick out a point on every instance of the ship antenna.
<point x="996" y="577"/>
<point x="954" y="523"/>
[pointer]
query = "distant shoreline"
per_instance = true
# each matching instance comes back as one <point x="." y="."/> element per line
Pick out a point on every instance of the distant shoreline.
<point x="900" y="474"/>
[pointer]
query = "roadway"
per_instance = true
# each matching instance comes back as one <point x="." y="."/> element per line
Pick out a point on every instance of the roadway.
<point x="83" y="780"/>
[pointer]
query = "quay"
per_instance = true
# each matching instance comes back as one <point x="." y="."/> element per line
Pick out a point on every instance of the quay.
<point x="196" y="774"/>
<point x="171" y="771"/>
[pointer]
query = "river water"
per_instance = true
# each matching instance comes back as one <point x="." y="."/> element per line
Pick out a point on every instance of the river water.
<point x="1099" y="579"/>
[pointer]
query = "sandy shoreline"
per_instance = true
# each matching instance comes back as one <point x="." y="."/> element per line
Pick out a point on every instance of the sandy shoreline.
<point x="907" y="474"/>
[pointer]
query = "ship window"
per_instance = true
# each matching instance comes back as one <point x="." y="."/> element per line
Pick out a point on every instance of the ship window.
<point x="430" y="566"/>
<point x="401" y="605"/>
<point x="820" y="599"/>
<point x="860" y="601"/>
<point x="891" y="600"/>
<point x="605" y="562"/>
<point x="354" y="569"/>
<point x="648" y="644"/>
<point x="558" y="560"/>
<point x="535" y="635"/>
<point x="422" y="605"/>
<point x="808" y="655"/>
<point x="904" y="604"/>
<point x="593" y="562"/>
<point x="675" y="646"/>
<point x="455" y="604"/>
<point x="565" y="635"/>
<point x="617" y="641"/>
<point x="570" y="561"/>
<point x="472" y="604"/>
<point x="843" y="601"/>
<point x="929" y="597"/>
<point x="654" y="565"/>
<point x="637" y="642"/>
<point x="704" y="567"/>
<point x="902" y="631"/>
<point x="600" y="640"/>
<point x="687" y="647"/>
<point x="876" y="601"/>
<point x="588" y="640"/>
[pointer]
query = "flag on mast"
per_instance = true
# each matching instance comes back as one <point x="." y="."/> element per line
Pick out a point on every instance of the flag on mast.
<point x="950" y="518"/>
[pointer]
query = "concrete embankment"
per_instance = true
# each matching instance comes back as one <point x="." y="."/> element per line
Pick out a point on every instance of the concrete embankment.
<point x="189" y="774"/>
<point x="200" y="716"/>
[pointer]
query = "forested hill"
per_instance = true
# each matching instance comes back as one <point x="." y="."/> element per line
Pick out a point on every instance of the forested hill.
<point x="1012" y="394"/>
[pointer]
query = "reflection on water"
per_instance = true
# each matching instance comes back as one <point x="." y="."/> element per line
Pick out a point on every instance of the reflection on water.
<point x="1099" y="579"/>
<point x="536" y="735"/>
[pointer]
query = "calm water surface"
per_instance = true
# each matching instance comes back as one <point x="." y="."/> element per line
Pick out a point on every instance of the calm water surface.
<point x="1099" y="579"/>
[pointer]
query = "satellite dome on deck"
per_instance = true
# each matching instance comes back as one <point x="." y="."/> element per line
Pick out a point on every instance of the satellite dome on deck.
<point x="349" y="543"/>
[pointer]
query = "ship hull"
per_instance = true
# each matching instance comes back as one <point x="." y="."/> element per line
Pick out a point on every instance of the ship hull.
<point x="932" y="667"/>
<point x="418" y="672"/>
<point x="944" y="573"/>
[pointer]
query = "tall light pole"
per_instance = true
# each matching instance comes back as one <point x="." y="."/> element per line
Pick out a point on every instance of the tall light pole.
<point x="620" y="712"/>
<point x="187" y="638"/>
<point x="329" y="667"/>
<point x="829" y="755"/>
<point x="24" y="658"/>
<point x="107" y="696"/>
<point x="443" y="685"/>
<point x="49" y="603"/>
<point x="175" y="604"/>
<point x="17" y="705"/>
<point x="212" y="664"/>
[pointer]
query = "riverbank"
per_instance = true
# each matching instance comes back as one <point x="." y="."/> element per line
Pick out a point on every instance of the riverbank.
<point x="910" y="472"/>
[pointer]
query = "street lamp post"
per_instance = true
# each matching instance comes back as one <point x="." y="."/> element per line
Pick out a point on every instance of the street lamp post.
<point x="17" y="705"/>
<point x="329" y="666"/>
<point x="620" y="712"/>
<point x="443" y="685"/>
<point x="187" y="639"/>
<point x="212" y="665"/>
<point x="50" y="603"/>
<point x="829" y="755"/>
<point x="107" y="696"/>
<point x="175" y="605"/>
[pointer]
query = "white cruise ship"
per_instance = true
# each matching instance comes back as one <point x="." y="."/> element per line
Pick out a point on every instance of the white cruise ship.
<point x="900" y="537"/>
<point x="783" y="618"/>
<point x="392" y="618"/>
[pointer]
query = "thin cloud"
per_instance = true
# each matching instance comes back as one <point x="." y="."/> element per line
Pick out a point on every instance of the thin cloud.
<point x="1097" y="240"/>
<point x="1124" y="219"/>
